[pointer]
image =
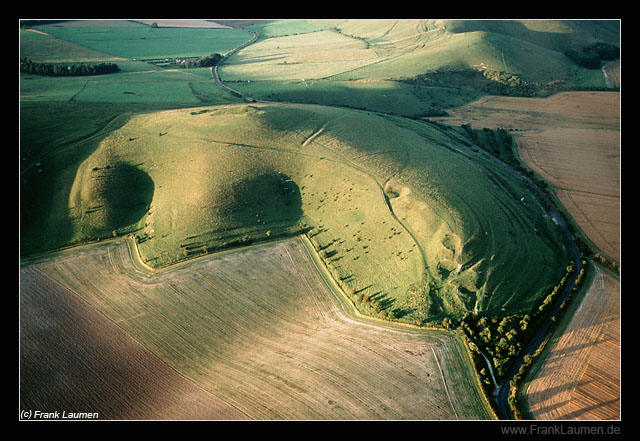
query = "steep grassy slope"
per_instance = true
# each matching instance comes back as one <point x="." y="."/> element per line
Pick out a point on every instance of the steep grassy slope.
<point x="408" y="220"/>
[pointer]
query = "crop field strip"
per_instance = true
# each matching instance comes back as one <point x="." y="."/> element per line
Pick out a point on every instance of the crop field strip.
<point x="581" y="375"/>
<point x="85" y="363"/>
<point x="275" y="347"/>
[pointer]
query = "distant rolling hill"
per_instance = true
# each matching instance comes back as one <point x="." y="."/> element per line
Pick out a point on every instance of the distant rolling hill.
<point x="381" y="64"/>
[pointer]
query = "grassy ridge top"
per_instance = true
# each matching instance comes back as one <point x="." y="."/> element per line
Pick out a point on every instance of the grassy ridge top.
<point x="390" y="209"/>
<point x="396" y="49"/>
<point x="374" y="64"/>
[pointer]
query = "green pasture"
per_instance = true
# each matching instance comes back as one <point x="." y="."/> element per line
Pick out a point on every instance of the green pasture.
<point x="44" y="48"/>
<point x="279" y="28"/>
<point x="386" y="96"/>
<point x="400" y="212"/>
<point x="176" y="87"/>
<point x="136" y="83"/>
<point x="134" y="40"/>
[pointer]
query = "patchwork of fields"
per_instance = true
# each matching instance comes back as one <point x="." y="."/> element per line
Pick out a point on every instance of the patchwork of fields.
<point x="127" y="44"/>
<point x="296" y="253"/>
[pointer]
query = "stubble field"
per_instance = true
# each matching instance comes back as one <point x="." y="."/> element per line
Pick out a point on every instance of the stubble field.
<point x="580" y="378"/>
<point x="276" y="347"/>
<point x="75" y="359"/>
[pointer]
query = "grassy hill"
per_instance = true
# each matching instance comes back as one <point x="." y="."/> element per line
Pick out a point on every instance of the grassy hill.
<point x="361" y="63"/>
<point x="409" y="221"/>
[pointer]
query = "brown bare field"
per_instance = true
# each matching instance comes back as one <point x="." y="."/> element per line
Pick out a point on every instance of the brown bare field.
<point x="260" y="329"/>
<point x="580" y="378"/>
<point x="572" y="140"/>
<point x="74" y="359"/>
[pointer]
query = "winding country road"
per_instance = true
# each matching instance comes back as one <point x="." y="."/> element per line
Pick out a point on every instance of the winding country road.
<point x="501" y="392"/>
<point x="214" y="69"/>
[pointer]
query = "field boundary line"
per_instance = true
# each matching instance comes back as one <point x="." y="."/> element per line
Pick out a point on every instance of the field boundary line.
<point x="354" y="316"/>
<point x="134" y="252"/>
<point x="445" y="383"/>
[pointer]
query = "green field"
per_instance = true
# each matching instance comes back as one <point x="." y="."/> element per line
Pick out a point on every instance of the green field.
<point x="127" y="39"/>
<point x="126" y="44"/>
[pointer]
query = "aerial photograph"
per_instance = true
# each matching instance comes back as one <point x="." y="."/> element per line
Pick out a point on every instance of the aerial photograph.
<point x="321" y="220"/>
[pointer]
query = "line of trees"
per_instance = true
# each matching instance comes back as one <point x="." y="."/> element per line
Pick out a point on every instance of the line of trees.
<point x="502" y="339"/>
<point x="500" y="143"/>
<point x="59" y="70"/>
<point x="490" y="81"/>
<point x="607" y="263"/>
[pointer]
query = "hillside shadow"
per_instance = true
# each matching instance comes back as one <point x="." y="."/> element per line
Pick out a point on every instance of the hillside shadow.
<point x="127" y="192"/>
<point x="266" y="199"/>
<point x="46" y="190"/>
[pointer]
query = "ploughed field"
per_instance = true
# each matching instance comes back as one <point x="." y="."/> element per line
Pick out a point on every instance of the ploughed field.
<point x="258" y="329"/>
<point x="74" y="359"/>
